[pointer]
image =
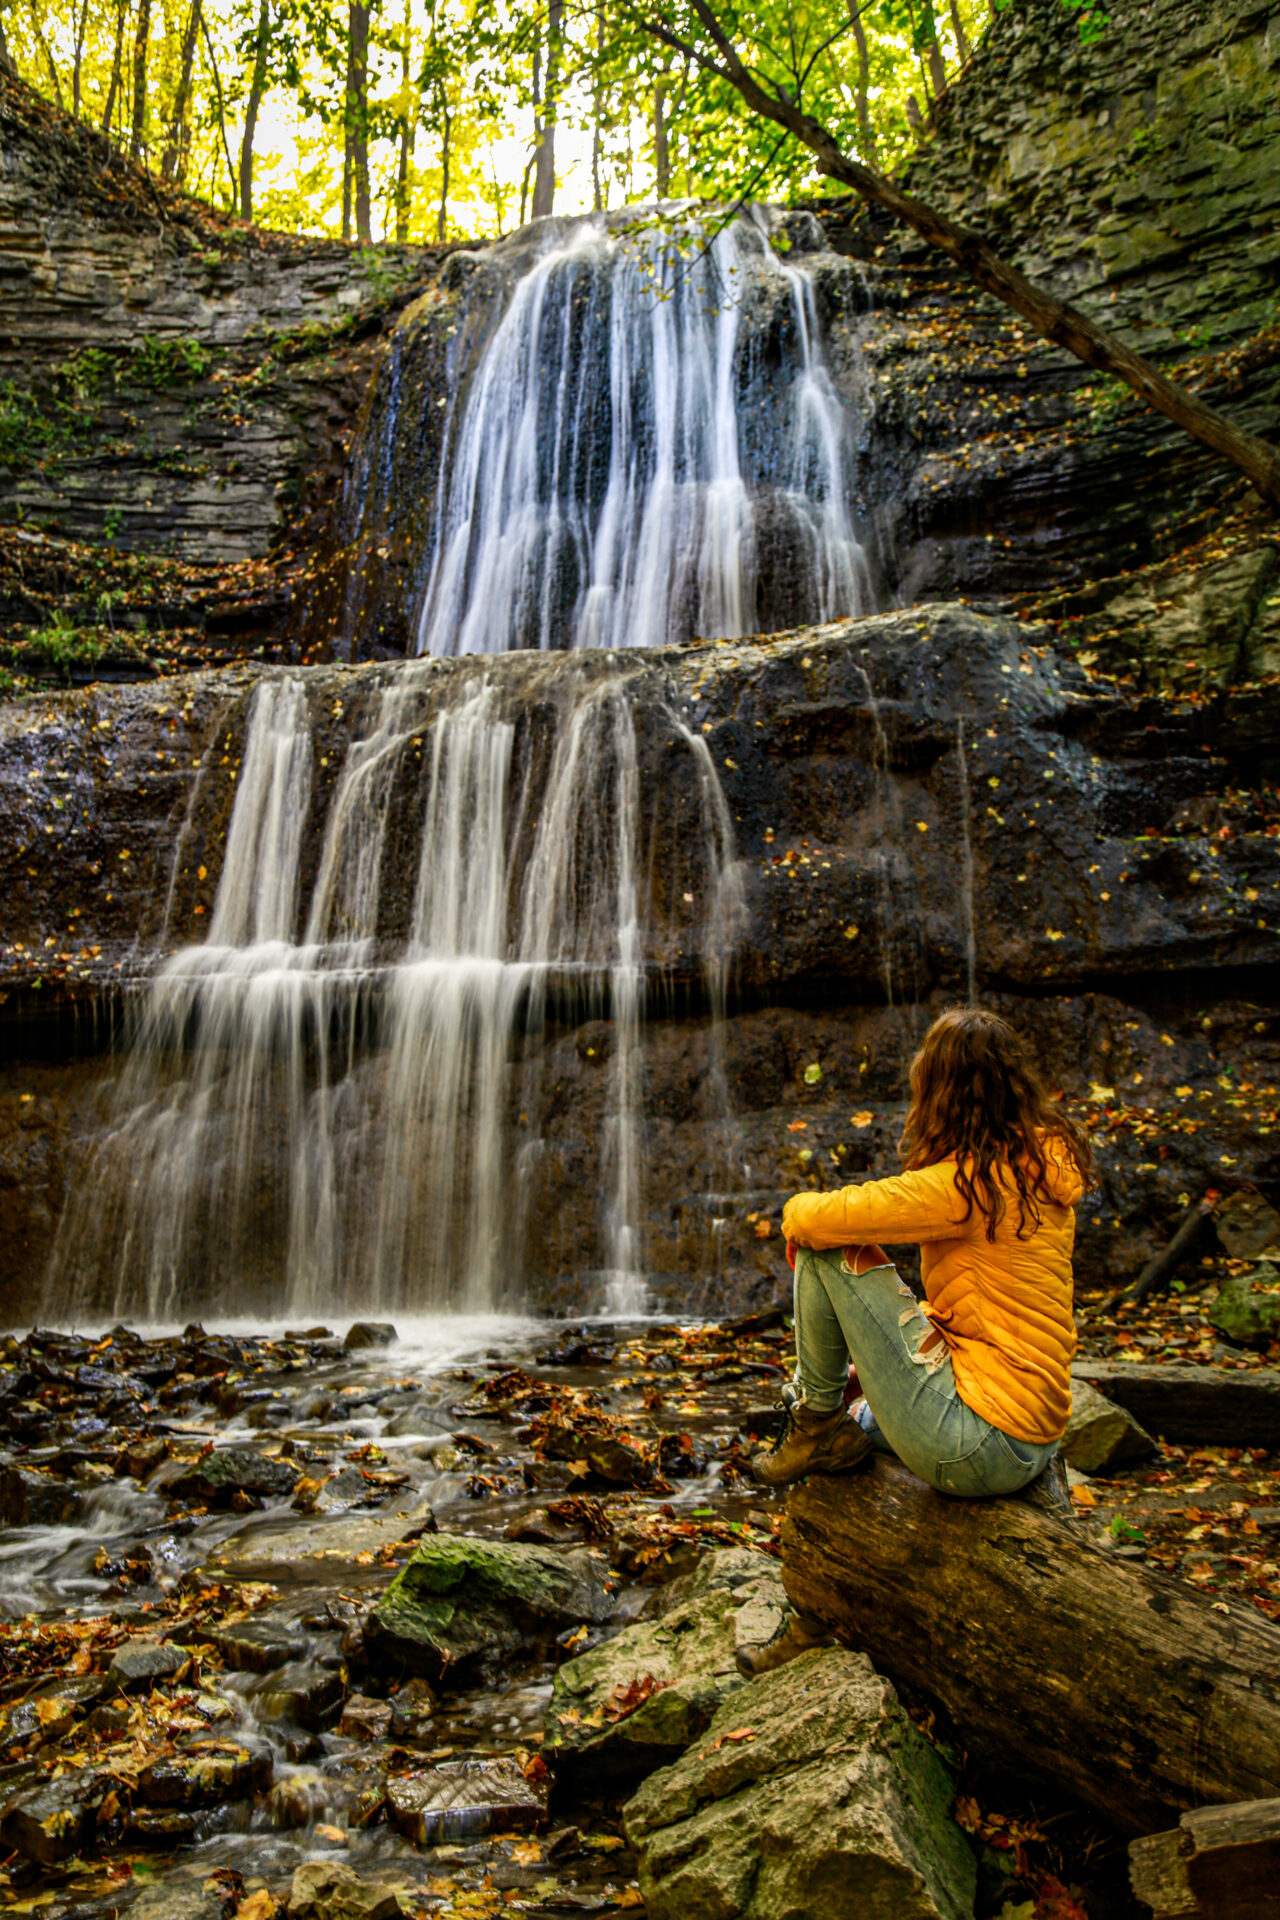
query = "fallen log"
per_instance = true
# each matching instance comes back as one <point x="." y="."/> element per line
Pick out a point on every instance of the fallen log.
<point x="1219" y="1863"/>
<point x="1197" y="1406"/>
<point x="1129" y="1690"/>
<point x="1161" y="1269"/>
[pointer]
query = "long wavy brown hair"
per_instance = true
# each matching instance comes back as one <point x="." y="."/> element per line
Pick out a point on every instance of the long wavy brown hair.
<point x="976" y="1097"/>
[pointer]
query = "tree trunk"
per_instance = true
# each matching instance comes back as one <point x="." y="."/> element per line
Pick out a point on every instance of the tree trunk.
<point x="661" y="152"/>
<point x="141" y="36"/>
<point x="172" y="165"/>
<point x="1193" y="1406"/>
<point x="937" y="70"/>
<point x="80" y="18"/>
<point x="357" y="183"/>
<point x="446" y="134"/>
<point x="597" y="109"/>
<point x="544" y="180"/>
<point x="257" y="87"/>
<point x="862" y="95"/>
<point x="222" y="109"/>
<point x="47" y="51"/>
<point x="1118" y="1684"/>
<point x="407" y="127"/>
<point x="113" y="85"/>
<point x="6" y="58"/>
<point x="1065" y="326"/>
<point x="962" y="38"/>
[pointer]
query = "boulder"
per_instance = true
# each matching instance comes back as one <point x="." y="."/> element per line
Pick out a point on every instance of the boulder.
<point x="462" y="1799"/>
<point x="1247" y="1309"/>
<point x="216" y="1477"/>
<point x="809" y="1793"/>
<point x="369" y="1333"/>
<point x="328" y="1890"/>
<point x="462" y="1599"/>
<point x="636" y="1702"/>
<point x="143" y="1663"/>
<point x="1101" y="1434"/>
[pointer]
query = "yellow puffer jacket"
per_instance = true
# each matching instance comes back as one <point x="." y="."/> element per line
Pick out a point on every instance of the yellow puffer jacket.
<point x="1003" y="1306"/>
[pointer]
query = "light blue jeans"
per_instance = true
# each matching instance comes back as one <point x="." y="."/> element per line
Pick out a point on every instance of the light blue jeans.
<point x="912" y="1407"/>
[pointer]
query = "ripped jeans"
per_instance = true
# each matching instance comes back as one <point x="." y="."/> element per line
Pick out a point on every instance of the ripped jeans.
<point x="913" y="1408"/>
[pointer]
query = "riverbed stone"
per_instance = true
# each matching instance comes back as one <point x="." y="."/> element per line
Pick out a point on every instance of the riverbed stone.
<point x="50" y="1710"/>
<point x="302" y="1554"/>
<point x="637" y="1701"/>
<point x="462" y="1799"/>
<point x="50" y="1822"/>
<point x="143" y="1664"/>
<point x="810" y="1793"/>
<point x="1100" y="1434"/>
<point x="216" y="1477"/>
<point x="329" y="1890"/>
<point x="29" y="1498"/>
<point x="205" y="1776"/>
<point x="462" y="1599"/>
<point x="364" y="1334"/>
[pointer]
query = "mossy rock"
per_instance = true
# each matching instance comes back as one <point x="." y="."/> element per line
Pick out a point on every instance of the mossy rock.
<point x="461" y="1600"/>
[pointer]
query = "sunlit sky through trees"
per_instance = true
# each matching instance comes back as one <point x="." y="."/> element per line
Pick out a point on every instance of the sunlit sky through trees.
<point x="454" y="96"/>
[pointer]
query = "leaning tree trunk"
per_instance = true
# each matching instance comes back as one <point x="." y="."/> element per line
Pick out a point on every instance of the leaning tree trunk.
<point x="1064" y="325"/>
<point x="257" y="87"/>
<point x="1050" y="1655"/>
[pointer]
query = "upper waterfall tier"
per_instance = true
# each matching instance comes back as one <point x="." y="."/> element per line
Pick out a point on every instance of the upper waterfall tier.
<point x="641" y="442"/>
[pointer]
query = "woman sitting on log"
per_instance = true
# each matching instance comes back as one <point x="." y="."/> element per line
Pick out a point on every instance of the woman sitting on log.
<point x="973" y="1387"/>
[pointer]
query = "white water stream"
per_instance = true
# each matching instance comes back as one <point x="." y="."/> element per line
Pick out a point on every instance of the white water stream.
<point x="622" y="471"/>
<point x="328" y="1117"/>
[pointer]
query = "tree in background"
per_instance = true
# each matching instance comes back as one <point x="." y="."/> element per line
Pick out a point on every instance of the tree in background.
<point x="433" y="119"/>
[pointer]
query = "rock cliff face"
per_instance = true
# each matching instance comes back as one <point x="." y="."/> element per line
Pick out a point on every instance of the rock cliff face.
<point x="919" y="802"/>
<point x="1139" y="175"/>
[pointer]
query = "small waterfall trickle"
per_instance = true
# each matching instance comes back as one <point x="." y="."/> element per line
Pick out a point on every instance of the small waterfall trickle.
<point x="650" y="433"/>
<point x="319" y="1107"/>
<point x="966" y="869"/>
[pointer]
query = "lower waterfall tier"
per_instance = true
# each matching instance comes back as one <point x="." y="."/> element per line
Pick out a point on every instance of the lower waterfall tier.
<point x="473" y="1024"/>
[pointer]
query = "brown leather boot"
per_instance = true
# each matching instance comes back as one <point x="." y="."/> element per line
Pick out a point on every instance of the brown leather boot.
<point x="812" y="1443"/>
<point x="797" y="1634"/>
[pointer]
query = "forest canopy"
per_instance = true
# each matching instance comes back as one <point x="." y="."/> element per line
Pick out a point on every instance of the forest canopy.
<point x="426" y="120"/>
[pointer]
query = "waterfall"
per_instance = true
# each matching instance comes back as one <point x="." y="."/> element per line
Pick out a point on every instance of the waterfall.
<point x="340" y="1099"/>
<point x="650" y="439"/>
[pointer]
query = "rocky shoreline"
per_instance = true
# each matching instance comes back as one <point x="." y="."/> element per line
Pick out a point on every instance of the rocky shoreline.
<point x="341" y="1628"/>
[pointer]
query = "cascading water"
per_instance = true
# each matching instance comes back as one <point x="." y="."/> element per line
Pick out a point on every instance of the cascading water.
<point x="628" y="463"/>
<point x="327" y="1117"/>
<point x="340" y="1098"/>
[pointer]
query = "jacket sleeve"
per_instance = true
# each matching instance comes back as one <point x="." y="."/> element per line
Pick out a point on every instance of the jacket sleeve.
<point x="909" y="1207"/>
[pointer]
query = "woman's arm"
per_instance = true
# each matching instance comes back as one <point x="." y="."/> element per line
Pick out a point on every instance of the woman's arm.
<point x="905" y="1208"/>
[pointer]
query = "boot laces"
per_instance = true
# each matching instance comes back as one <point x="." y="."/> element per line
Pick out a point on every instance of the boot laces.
<point x="786" y="1426"/>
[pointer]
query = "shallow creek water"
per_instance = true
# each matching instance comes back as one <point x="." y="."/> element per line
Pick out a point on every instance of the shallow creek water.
<point x="433" y="1429"/>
